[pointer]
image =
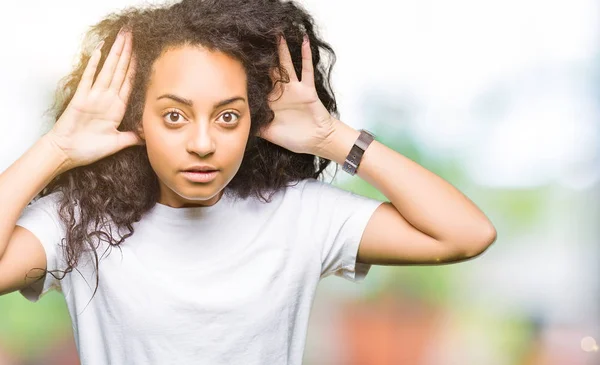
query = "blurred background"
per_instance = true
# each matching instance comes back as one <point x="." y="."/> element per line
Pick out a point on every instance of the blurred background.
<point x="499" y="97"/>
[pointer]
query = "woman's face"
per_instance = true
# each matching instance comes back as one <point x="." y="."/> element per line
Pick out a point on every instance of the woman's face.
<point x="196" y="114"/>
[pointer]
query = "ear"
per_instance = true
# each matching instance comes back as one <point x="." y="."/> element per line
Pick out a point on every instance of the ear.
<point x="140" y="130"/>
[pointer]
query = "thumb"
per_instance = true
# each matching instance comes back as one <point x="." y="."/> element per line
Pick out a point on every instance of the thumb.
<point x="128" y="139"/>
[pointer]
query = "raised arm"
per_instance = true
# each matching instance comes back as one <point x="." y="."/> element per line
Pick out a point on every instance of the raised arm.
<point x="85" y="132"/>
<point x="428" y="220"/>
<point x="20" y="250"/>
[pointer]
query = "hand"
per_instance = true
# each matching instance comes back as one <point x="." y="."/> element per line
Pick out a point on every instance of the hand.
<point x="87" y="130"/>
<point x="302" y="124"/>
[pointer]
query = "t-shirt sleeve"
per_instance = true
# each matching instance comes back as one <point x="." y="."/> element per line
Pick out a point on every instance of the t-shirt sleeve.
<point x="339" y="218"/>
<point x="41" y="218"/>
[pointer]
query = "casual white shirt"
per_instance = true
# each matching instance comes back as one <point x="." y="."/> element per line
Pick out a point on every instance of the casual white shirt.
<point x="232" y="283"/>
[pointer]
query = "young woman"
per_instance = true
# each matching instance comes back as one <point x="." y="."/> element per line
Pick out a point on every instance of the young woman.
<point x="192" y="142"/>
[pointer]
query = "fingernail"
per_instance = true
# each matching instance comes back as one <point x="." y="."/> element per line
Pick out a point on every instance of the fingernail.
<point x="99" y="45"/>
<point x="306" y="38"/>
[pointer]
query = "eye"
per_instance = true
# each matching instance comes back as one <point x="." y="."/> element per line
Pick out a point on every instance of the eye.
<point x="173" y="117"/>
<point x="229" y="117"/>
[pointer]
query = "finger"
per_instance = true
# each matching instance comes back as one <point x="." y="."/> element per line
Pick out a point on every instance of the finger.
<point x="285" y="58"/>
<point x="308" y="75"/>
<point x="87" y="78"/>
<point x="122" y="66"/>
<point x="108" y="69"/>
<point x="128" y="83"/>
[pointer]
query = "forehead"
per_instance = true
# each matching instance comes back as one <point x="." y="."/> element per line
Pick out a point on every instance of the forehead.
<point x="196" y="72"/>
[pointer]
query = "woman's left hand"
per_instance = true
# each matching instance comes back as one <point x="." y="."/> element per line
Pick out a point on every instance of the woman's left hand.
<point x="302" y="124"/>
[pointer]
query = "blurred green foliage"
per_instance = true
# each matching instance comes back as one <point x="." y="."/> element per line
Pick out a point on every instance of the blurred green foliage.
<point x="26" y="327"/>
<point x="512" y="211"/>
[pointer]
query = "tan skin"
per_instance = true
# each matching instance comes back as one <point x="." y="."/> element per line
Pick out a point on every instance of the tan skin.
<point x="426" y="221"/>
<point x="196" y="112"/>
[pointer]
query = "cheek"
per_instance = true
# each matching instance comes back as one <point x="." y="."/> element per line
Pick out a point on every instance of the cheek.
<point x="159" y="160"/>
<point x="237" y="145"/>
<point x="158" y="148"/>
<point x="157" y="136"/>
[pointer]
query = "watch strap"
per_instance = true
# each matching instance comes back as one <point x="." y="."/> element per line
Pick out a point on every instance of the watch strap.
<point x="356" y="153"/>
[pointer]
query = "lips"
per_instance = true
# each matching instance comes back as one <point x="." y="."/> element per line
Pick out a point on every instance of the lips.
<point x="201" y="168"/>
<point x="200" y="176"/>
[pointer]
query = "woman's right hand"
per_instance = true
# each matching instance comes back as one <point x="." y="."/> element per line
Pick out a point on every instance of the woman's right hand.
<point x="87" y="129"/>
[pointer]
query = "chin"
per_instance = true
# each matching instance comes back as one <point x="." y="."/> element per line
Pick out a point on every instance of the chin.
<point x="186" y="192"/>
<point x="199" y="193"/>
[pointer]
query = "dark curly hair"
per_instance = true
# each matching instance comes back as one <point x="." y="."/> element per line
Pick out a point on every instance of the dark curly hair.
<point x="123" y="186"/>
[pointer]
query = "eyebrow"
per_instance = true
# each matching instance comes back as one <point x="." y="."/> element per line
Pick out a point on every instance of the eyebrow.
<point x="189" y="103"/>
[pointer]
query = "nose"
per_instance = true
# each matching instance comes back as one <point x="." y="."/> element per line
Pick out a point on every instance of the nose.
<point x="200" y="140"/>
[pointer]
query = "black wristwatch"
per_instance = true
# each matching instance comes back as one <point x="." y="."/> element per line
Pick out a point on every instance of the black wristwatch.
<point x="358" y="149"/>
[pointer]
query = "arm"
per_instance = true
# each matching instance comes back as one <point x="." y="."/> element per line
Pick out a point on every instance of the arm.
<point x="85" y="132"/>
<point x="20" y="250"/>
<point x="428" y="221"/>
<point x="23" y="180"/>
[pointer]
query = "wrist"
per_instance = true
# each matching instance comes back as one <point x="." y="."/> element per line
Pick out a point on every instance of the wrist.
<point x="339" y="142"/>
<point x="56" y="155"/>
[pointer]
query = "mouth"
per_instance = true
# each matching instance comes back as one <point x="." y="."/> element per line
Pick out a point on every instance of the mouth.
<point x="200" y="176"/>
<point x="201" y="170"/>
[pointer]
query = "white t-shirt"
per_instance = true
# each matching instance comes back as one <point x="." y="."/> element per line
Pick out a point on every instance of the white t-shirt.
<point x="232" y="283"/>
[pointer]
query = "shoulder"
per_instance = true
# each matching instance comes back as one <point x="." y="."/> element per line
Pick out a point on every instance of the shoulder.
<point x="47" y="207"/>
<point x="317" y="191"/>
<point x="49" y="203"/>
<point x="307" y="187"/>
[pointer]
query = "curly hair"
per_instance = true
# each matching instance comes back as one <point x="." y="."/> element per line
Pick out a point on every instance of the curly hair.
<point x="123" y="186"/>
